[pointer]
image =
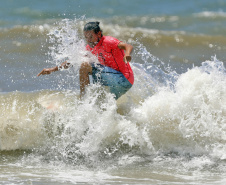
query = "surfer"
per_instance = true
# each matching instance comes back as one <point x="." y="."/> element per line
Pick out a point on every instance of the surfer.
<point x="113" y="69"/>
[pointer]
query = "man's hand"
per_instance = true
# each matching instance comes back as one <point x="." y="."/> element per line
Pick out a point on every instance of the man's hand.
<point x="127" y="58"/>
<point x="48" y="71"/>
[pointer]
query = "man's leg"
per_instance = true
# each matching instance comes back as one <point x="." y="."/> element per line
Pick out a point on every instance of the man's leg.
<point x="84" y="72"/>
<point x="115" y="80"/>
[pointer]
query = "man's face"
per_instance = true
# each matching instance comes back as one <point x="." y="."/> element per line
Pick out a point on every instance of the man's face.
<point x="92" y="38"/>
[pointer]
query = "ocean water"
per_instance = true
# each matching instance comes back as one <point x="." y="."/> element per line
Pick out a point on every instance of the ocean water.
<point x="170" y="128"/>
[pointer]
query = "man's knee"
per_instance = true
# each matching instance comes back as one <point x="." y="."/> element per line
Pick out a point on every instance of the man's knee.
<point x="85" y="68"/>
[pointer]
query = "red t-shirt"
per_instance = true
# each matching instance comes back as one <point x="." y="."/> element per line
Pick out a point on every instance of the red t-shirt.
<point x="110" y="55"/>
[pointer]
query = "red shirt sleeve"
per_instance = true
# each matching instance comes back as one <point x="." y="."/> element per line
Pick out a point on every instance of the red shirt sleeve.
<point x="112" y="42"/>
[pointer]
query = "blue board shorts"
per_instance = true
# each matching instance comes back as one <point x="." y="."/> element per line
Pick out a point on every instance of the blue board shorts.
<point x="115" y="80"/>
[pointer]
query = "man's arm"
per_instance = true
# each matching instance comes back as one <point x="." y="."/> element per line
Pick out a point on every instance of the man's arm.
<point x="128" y="49"/>
<point x="47" y="71"/>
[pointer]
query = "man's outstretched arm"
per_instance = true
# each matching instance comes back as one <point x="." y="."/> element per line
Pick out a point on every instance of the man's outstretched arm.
<point x="47" y="71"/>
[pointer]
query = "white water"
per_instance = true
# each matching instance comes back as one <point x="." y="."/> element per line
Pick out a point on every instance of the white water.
<point x="169" y="128"/>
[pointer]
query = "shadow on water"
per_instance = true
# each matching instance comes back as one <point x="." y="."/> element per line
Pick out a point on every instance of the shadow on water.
<point x="13" y="155"/>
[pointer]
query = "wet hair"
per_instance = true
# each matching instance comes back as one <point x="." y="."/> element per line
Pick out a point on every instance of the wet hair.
<point x="93" y="26"/>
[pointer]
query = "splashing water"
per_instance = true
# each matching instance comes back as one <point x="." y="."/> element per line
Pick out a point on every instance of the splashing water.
<point x="66" y="43"/>
<point x="165" y="112"/>
<point x="191" y="116"/>
<point x="166" y="118"/>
